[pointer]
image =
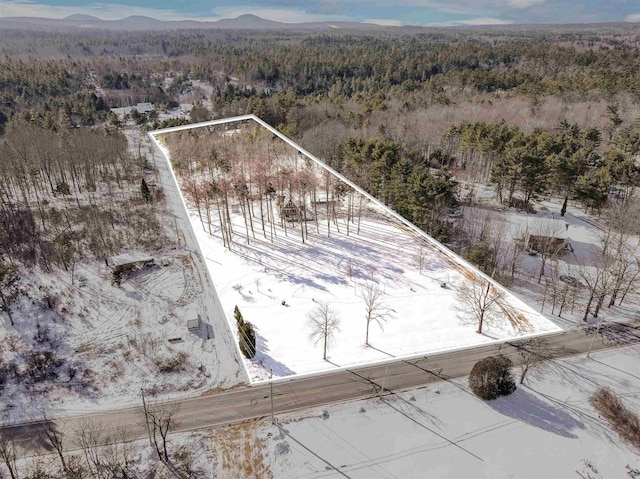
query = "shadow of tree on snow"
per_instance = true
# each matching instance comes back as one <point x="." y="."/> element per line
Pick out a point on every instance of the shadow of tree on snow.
<point x="266" y="361"/>
<point x="526" y="407"/>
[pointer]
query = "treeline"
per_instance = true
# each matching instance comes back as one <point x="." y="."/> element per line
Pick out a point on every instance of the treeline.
<point x="569" y="160"/>
<point x="67" y="193"/>
<point x="101" y="70"/>
<point x="402" y="179"/>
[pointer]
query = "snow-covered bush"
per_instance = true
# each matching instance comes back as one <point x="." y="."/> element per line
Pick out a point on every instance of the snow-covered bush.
<point x="491" y="377"/>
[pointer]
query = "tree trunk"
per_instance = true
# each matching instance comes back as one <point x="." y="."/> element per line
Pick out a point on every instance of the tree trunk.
<point x="7" y="308"/>
<point x="599" y="304"/>
<point x="326" y="332"/>
<point x="250" y="208"/>
<point x="586" y="311"/>
<point x="542" y="264"/>
<point x="479" y="331"/>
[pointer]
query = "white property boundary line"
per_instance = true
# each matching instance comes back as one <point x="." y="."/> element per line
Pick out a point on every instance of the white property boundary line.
<point x="514" y="300"/>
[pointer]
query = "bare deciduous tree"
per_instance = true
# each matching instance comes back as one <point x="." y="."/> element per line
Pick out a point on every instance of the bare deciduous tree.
<point x="89" y="437"/>
<point x="477" y="300"/>
<point x="421" y="258"/>
<point x="8" y="280"/>
<point x="376" y="310"/>
<point x="324" y="323"/>
<point x="9" y="452"/>
<point x="54" y="434"/>
<point x="117" y="455"/>
<point x="532" y="352"/>
<point x="160" y="419"/>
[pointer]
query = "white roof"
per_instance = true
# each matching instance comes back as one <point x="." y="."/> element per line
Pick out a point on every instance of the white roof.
<point x="128" y="258"/>
<point x="144" y="107"/>
<point x="550" y="227"/>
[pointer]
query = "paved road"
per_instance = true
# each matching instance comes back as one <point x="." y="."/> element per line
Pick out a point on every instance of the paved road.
<point x="235" y="406"/>
<point x="288" y="395"/>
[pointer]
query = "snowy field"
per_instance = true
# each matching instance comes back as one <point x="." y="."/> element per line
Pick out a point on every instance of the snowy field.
<point x="278" y="284"/>
<point x="545" y="429"/>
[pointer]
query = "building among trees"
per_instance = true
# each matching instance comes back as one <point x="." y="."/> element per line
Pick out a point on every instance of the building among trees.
<point x="127" y="262"/>
<point x="291" y="212"/>
<point x="549" y="236"/>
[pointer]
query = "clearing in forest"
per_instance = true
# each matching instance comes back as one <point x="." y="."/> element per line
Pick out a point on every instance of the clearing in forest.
<point x="301" y="251"/>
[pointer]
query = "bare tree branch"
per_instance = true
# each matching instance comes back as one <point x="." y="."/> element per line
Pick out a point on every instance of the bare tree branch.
<point x="323" y="324"/>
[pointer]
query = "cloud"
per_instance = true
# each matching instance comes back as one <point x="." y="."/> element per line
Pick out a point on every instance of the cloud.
<point x="484" y="21"/>
<point x="383" y="21"/>
<point x="467" y="7"/>
<point x="633" y="17"/>
<point x="524" y="3"/>
<point x="105" y="11"/>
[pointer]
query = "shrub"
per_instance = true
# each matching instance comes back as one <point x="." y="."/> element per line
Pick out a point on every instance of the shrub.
<point x="186" y="462"/>
<point x="42" y="334"/>
<point x="247" y="340"/>
<point x="623" y="421"/>
<point x="42" y="365"/>
<point x="172" y="364"/>
<point x="491" y="378"/>
<point x="49" y="300"/>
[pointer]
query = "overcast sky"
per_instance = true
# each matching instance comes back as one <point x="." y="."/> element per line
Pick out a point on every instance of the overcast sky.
<point x="386" y="12"/>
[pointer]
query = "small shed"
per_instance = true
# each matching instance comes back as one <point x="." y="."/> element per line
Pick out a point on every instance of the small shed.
<point x="194" y="321"/>
<point x="547" y="235"/>
<point x="127" y="262"/>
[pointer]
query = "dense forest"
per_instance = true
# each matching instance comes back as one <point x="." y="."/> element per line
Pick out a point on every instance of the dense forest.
<point x="408" y="114"/>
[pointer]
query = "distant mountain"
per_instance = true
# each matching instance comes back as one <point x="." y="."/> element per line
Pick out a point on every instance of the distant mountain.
<point x="252" y="22"/>
<point x="81" y="18"/>
<point x="138" y="22"/>
<point x="248" y="21"/>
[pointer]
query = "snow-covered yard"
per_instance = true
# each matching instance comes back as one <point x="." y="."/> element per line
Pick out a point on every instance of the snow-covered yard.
<point x="581" y="261"/>
<point x="545" y="429"/>
<point x="107" y="341"/>
<point x="277" y="280"/>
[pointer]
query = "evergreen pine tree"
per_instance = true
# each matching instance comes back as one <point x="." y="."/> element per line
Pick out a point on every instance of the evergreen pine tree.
<point x="247" y="340"/>
<point x="146" y="192"/>
<point x="238" y="315"/>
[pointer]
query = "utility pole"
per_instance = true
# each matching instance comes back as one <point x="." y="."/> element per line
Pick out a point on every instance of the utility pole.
<point x="595" y="335"/>
<point x="384" y="379"/>
<point x="273" y="421"/>
<point x="146" y="417"/>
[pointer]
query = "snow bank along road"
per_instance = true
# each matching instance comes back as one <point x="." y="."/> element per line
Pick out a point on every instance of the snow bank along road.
<point x="293" y="394"/>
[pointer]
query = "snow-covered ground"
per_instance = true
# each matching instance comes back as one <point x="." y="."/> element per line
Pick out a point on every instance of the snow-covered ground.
<point x="584" y="235"/>
<point x="278" y="284"/>
<point x="545" y="429"/>
<point x="109" y="337"/>
<point x="108" y="341"/>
